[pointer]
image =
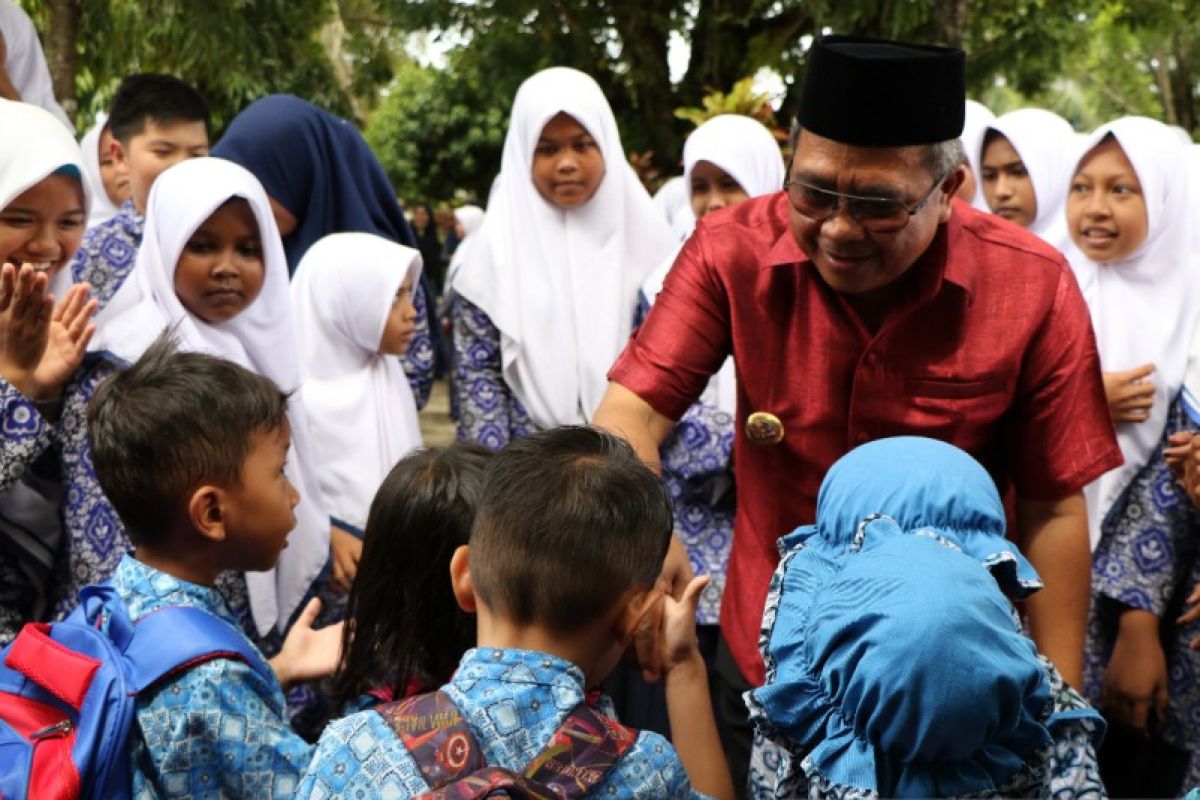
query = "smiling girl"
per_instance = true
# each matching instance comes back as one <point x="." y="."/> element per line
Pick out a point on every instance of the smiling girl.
<point x="546" y="296"/>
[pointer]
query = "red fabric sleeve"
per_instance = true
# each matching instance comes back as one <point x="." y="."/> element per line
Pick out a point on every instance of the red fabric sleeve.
<point x="1062" y="436"/>
<point x="685" y="338"/>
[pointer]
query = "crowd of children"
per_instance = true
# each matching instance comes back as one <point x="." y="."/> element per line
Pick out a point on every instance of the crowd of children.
<point x="211" y="368"/>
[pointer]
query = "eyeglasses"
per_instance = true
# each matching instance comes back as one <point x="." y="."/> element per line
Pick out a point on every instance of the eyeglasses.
<point x="879" y="214"/>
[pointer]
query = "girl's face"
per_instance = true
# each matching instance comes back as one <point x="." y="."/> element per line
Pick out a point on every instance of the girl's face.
<point x="713" y="189"/>
<point x="1106" y="211"/>
<point x="115" y="177"/>
<point x="1006" y="185"/>
<point x="567" y="164"/>
<point x="220" y="271"/>
<point x="420" y="217"/>
<point x="401" y="322"/>
<point x="44" y="224"/>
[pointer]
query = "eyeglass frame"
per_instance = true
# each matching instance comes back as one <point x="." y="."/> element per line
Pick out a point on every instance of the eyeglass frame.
<point x="847" y="198"/>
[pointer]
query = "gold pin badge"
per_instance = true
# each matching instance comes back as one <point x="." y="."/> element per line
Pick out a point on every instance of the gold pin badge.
<point x="764" y="428"/>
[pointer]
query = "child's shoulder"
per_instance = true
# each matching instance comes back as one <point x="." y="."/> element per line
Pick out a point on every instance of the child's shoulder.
<point x="357" y="755"/>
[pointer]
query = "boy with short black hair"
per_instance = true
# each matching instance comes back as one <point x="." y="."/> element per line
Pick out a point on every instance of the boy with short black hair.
<point x="156" y="121"/>
<point x="568" y="542"/>
<point x="190" y="451"/>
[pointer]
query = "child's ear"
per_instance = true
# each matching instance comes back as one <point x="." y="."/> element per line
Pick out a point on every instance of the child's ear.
<point x="460" y="579"/>
<point x="118" y="153"/>
<point x="636" y="605"/>
<point x="206" y="512"/>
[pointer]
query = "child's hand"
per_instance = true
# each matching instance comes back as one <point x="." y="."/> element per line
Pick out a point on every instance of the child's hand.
<point x="1136" y="679"/>
<point x="1192" y="615"/>
<point x="678" y="639"/>
<point x="1129" y="394"/>
<point x="1179" y="446"/>
<point x="345" y="549"/>
<point x="1191" y="471"/>
<point x="70" y="331"/>
<point x="308" y="654"/>
<point x="41" y="346"/>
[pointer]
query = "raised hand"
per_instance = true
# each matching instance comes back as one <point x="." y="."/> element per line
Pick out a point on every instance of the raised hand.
<point x="680" y="643"/>
<point x="307" y="653"/>
<point x="25" y="312"/>
<point x="1130" y="395"/>
<point x="70" y="331"/>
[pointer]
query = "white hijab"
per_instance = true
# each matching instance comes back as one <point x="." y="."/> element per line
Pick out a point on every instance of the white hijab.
<point x="1144" y="308"/>
<point x="561" y="285"/>
<point x="975" y="123"/>
<point x="745" y="149"/>
<point x="26" y="63"/>
<point x="103" y="209"/>
<point x="671" y="200"/>
<point x="1047" y="146"/>
<point x="471" y="218"/>
<point x="33" y="145"/>
<point x="361" y="410"/>
<point x="261" y="338"/>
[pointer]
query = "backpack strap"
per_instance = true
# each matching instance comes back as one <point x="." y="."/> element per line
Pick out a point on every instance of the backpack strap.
<point x="175" y="638"/>
<point x="584" y="749"/>
<point x="433" y="730"/>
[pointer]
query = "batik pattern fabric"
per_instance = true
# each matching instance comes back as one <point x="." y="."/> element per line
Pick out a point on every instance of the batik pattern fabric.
<point x="697" y="470"/>
<point x="218" y="729"/>
<point x="1066" y="769"/>
<point x="488" y="412"/>
<point x="418" y="361"/>
<point x="1148" y="558"/>
<point x="109" y="252"/>
<point x="93" y="538"/>
<point x="513" y="701"/>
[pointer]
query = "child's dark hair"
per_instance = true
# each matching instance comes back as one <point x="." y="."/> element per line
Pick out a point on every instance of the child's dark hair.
<point x="403" y="623"/>
<point x="570" y="520"/>
<point x="170" y="423"/>
<point x="153" y="97"/>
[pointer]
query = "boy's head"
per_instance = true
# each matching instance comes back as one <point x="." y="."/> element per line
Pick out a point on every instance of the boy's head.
<point x="188" y="445"/>
<point x="571" y="525"/>
<point x="156" y="121"/>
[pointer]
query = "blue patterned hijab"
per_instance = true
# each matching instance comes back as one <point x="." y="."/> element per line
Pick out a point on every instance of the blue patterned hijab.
<point x="894" y="661"/>
<point x="318" y="167"/>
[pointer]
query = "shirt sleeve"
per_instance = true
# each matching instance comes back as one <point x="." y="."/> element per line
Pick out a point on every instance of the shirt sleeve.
<point x="685" y="338"/>
<point x="418" y="361"/>
<point x="26" y="434"/>
<point x="220" y="729"/>
<point x="1060" y="435"/>
<point x="488" y="412"/>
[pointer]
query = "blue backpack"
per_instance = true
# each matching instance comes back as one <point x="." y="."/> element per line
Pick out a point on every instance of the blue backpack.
<point x="68" y="691"/>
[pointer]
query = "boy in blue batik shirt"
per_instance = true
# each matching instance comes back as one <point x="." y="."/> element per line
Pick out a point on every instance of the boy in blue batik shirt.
<point x="568" y="541"/>
<point x="190" y="449"/>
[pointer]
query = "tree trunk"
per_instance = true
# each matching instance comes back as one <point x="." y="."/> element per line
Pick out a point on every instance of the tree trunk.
<point x="949" y="20"/>
<point x="61" y="43"/>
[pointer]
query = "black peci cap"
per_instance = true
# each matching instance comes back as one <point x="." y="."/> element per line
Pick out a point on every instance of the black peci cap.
<point x="878" y="93"/>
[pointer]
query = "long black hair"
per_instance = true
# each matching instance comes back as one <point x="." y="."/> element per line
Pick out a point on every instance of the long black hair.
<point x="402" y="622"/>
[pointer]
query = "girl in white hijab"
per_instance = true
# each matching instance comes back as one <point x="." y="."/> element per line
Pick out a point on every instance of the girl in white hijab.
<point x="1128" y="215"/>
<point x="727" y="160"/>
<point x="352" y="296"/>
<point x="1025" y="163"/>
<point x="546" y="295"/>
<point x="1132" y="216"/>
<point x="257" y="333"/>
<point x="976" y="120"/>
<point x="109" y="187"/>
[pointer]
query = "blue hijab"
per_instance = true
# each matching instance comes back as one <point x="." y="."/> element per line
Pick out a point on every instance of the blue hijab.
<point x="894" y="660"/>
<point x="318" y="167"/>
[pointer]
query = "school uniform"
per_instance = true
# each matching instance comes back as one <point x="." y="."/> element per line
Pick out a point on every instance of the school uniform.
<point x="546" y="295"/>
<point x="218" y="729"/>
<point x="513" y="701"/>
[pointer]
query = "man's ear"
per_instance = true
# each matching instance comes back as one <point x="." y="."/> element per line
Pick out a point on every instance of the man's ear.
<point x="949" y="188"/>
<point x="206" y="512"/>
<point x="460" y="579"/>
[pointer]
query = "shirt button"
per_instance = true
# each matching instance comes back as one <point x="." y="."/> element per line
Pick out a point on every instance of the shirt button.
<point x="870" y="359"/>
<point x="862" y="438"/>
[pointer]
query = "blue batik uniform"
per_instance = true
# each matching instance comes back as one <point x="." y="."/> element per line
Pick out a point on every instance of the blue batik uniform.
<point x="513" y="701"/>
<point x="218" y="729"/>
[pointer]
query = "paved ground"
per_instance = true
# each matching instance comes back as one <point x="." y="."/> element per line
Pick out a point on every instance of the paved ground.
<point x="436" y="426"/>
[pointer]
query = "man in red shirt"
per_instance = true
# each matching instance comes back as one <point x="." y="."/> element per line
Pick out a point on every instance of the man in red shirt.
<point x="864" y="302"/>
